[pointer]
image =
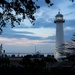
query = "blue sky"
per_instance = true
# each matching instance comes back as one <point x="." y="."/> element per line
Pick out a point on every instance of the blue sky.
<point x="23" y="38"/>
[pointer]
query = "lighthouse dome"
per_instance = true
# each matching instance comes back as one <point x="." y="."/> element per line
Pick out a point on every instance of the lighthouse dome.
<point x="59" y="14"/>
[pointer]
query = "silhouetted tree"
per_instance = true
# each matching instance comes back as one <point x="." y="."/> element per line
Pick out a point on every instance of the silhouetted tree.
<point x="70" y="49"/>
<point x="71" y="58"/>
<point x="4" y="61"/>
<point x="50" y="60"/>
<point x="26" y="61"/>
<point x="12" y="55"/>
<point x="72" y="44"/>
<point x="24" y="8"/>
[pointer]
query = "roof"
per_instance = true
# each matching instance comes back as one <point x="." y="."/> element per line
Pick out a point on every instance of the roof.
<point x="59" y="14"/>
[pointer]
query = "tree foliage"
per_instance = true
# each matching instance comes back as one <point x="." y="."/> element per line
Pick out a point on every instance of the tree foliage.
<point x="71" y="46"/>
<point x="68" y="48"/>
<point x="22" y="8"/>
<point x="72" y="0"/>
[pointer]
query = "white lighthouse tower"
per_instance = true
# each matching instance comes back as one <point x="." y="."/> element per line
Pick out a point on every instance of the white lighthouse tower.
<point x="59" y="36"/>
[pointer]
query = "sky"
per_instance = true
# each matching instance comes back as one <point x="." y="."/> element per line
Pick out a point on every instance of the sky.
<point x="23" y="38"/>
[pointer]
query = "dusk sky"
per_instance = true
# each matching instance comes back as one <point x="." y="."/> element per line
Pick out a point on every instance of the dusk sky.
<point x="23" y="38"/>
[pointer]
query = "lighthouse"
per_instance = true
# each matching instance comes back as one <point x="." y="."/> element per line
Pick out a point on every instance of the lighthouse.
<point x="58" y="54"/>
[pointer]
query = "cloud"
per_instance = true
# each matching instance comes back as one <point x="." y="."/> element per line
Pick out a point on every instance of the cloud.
<point x="66" y="10"/>
<point x="27" y="35"/>
<point x="68" y="33"/>
<point x="26" y="23"/>
<point x="49" y="41"/>
<point x="72" y="6"/>
<point x="45" y="14"/>
<point x="69" y="28"/>
<point x="1" y="10"/>
<point x="37" y="32"/>
<point x="22" y="41"/>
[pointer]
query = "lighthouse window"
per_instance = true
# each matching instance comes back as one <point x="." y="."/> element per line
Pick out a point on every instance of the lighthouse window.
<point x="59" y="17"/>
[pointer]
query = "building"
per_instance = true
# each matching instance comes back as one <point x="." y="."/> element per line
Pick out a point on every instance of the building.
<point x="58" y="54"/>
<point x="2" y="52"/>
<point x="1" y="48"/>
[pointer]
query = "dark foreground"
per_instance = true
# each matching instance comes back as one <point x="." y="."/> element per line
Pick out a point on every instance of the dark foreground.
<point x="31" y="71"/>
<point x="37" y="66"/>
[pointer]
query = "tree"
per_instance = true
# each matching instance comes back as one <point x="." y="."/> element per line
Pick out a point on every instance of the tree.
<point x="70" y="49"/>
<point x="25" y="8"/>
<point x="26" y="61"/>
<point x="4" y="61"/>
<point x="72" y="44"/>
